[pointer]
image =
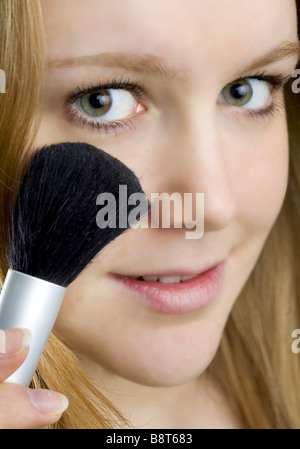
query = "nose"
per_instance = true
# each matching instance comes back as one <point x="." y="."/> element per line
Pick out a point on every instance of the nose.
<point x="193" y="160"/>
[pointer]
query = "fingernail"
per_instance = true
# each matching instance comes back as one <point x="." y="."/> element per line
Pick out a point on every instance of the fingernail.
<point x="48" y="402"/>
<point x="13" y="341"/>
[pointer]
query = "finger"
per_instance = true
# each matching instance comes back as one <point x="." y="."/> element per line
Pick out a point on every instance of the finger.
<point x="13" y="350"/>
<point x="23" y="408"/>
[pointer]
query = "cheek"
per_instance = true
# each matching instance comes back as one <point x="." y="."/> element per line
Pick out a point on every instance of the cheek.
<point x="261" y="178"/>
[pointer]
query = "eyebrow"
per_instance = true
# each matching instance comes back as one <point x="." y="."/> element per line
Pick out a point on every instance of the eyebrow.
<point x="153" y="65"/>
<point x="147" y="63"/>
<point x="283" y="51"/>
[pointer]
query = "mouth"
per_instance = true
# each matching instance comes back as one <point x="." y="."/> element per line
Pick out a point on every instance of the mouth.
<point x="174" y="293"/>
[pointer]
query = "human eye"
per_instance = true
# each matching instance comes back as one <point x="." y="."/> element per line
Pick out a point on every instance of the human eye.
<point x="255" y="95"/>
<point x="107" y="107"/>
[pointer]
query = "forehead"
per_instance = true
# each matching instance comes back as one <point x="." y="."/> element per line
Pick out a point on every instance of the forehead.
<point x="195" y="31"/>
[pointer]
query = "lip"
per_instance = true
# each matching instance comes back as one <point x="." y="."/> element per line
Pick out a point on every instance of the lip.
<point x="190" y="295"/>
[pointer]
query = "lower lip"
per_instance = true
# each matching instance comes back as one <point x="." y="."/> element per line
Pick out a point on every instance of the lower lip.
<point x="191" y="295"/>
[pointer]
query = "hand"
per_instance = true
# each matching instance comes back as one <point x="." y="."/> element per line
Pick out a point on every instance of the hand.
<point x="21" y="407"/>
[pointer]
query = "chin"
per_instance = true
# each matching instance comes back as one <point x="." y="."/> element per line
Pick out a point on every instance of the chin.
<point x="164" y="377"/>
<point x="168" y="371"/>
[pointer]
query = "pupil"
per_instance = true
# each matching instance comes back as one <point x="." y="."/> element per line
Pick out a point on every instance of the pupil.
<point x="239" y="91"/>
<point x="97" y="100"/>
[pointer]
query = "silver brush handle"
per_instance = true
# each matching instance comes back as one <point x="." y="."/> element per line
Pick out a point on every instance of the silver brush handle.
<point x="29" y="302"/>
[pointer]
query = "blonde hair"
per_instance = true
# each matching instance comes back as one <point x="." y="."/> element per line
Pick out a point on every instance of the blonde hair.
<point x="254" y="365"/>
<point x="22" y="57"/>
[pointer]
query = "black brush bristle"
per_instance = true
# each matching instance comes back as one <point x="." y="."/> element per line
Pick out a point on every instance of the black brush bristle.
<point x="54" y="233"/>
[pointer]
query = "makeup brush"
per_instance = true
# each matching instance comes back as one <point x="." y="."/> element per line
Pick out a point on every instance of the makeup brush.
<point x="57" y="229"/>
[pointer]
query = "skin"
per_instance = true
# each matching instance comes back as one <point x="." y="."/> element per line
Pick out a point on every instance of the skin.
<point x="182" y="139"/>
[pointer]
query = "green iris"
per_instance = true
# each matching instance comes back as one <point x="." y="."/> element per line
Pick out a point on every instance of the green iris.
<point x="238" y="93"/>
<point x="97" y="103"/>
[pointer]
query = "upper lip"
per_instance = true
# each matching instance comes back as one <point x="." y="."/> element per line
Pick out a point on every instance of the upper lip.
<point x="174" y="272"/>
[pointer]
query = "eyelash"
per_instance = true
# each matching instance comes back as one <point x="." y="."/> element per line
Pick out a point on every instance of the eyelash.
<point x="277" y="82"/>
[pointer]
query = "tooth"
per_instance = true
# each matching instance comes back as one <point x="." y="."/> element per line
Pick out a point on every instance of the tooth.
<point x="185" y="278"/>
<point x="166" y="279"/>
<point x="169" y="279"/>
<point x="150" y="278"/>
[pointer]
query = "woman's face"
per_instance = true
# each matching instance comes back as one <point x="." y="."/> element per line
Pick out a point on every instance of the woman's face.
<point x="189" y="96"/>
